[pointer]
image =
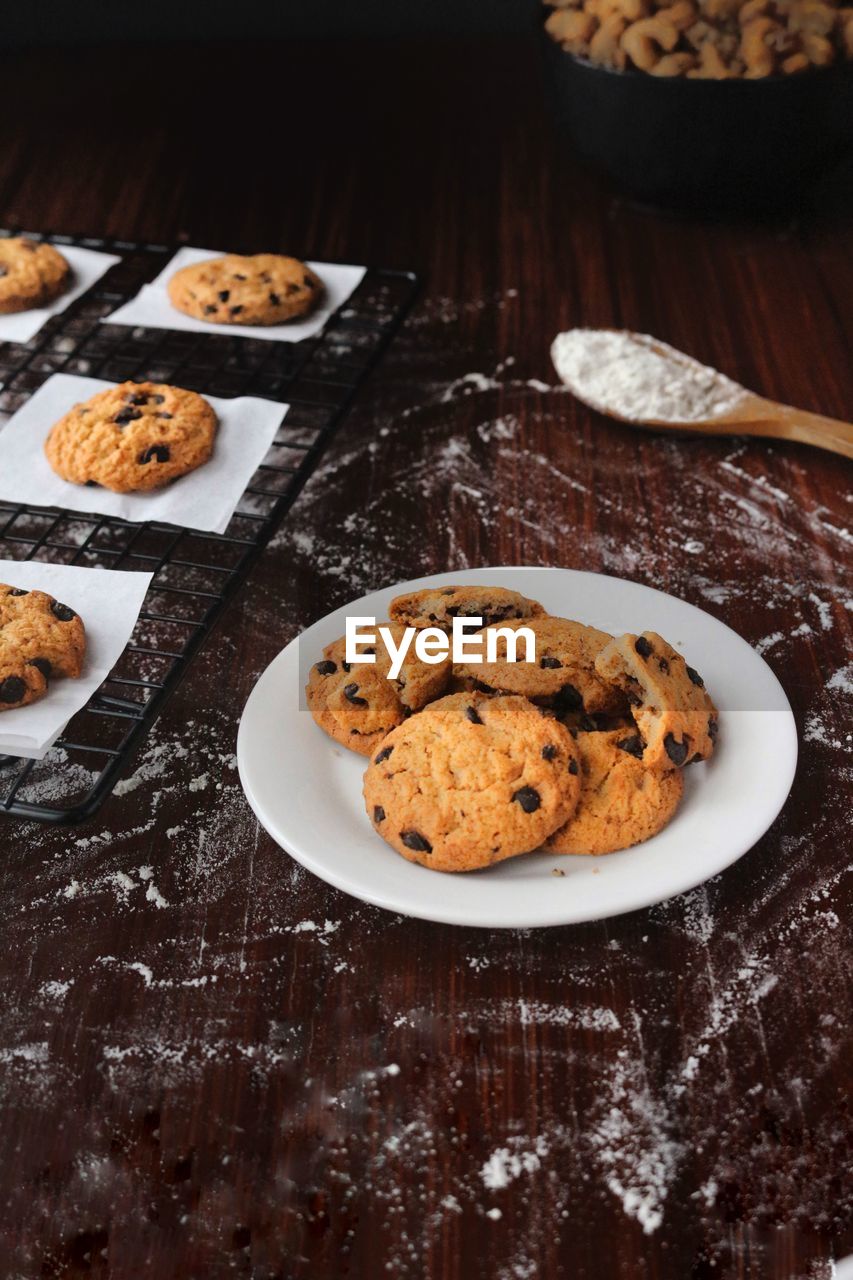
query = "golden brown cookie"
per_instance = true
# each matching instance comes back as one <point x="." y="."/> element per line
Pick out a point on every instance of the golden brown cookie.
<point x="264" y="288"/>
<point x="438" y="606"/>
<point x="621" y="801"/>
<point x="563" y="676"/>
<point x="134" y="436"/>
<point x="676" y="718"/>
<point x="472" y="780"/>
<point x="39" y="638"/>
<point x="31" y="274"/>
<point x="357" y="704"/>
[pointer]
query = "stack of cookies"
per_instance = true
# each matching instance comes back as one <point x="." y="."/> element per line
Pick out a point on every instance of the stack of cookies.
<point x="581" y="751"/>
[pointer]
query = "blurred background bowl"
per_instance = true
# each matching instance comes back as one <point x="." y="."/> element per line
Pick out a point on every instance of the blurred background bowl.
<point x="711" y="146"/>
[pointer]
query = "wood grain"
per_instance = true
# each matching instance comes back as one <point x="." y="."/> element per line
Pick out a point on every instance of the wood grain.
<point x="210" y="1062"/>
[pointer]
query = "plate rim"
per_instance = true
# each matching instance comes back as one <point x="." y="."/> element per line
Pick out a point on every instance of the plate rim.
<point x="559" y="918"/>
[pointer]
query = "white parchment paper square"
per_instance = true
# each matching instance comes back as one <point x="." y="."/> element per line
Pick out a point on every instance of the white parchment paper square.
<point x="152" y="309"/>
<point x="108" y="601"/>
<point x="204" y="499"/>
<point x="87" y="267"/>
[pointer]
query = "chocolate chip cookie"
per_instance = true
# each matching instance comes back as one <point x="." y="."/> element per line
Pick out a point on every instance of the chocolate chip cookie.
<point x="356" y="704"/>
<point x="134" y="436"/>
<point x="265" y="288"/>
<point x="438" y="606"/>
<point x="472" y="780"/>
<point x="563" y="675"/>
<point x="676" y="719"/>
<point x="31" y="274"/>
<point x="621" y="801"/>
<point x="39" y="638"/>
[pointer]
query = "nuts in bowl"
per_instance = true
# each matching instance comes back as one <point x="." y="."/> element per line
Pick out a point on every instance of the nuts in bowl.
<point x="716" y="106"/>
<point x="704" y="39"/>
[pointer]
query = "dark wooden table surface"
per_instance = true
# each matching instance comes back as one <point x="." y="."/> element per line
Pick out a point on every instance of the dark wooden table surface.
<point x="211" y="1063"/>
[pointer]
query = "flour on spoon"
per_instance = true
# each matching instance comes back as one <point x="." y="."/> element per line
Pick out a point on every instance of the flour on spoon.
<point x="636" y="377"/>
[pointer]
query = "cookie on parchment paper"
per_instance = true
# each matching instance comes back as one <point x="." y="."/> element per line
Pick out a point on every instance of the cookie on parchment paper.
<point x="263" y="288"/>
<point x="39" y="638"/>
<point x="31" y="274"/>
<point x="131" y="437"/>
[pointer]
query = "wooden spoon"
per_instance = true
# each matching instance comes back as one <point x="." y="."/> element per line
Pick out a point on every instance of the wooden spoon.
<point x="752" y="415"/>
<point x="756" y="416"/>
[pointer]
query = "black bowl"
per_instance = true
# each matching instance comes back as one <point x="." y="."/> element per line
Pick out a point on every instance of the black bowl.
<point x="714" y="146"/>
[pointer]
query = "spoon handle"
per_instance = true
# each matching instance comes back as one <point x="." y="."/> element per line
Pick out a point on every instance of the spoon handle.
<point x="810" y="428"/>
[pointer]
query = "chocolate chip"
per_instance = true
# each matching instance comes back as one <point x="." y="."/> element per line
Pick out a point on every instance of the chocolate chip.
<point x="224" y="295"/>
<point x="713" y="729"/>
<point x="550" y="664"/>
<point x="156" y="453"/>
<point x="695" y="678"/>
<point x="351" y="695"/>
<point x="643" y="647"/>
<point x="275" y="300"/>
<point x="62" y="612"/>
<point x="527" y="798"/>
<point x="42" y="665"/>
<point x="573" y="767"/>
<point x="92" y="484"/>
<point x="383" y="755"/>
<point x="471" y="714"/>
<point x="633" y="745"/>
<point x="209" y="309"/>
<point x="4" y="271"/>
<point x="415" y="841"/>
<point x="235" y="311"/>
<point x="292" y="288"/>
<point x="237" y="276"/>
<point x="164" y="415"/>
<point x="481" y="687"/>
<point x="677" y="751"/>
<point x="126" y="416"/>
<point x="548" y="752"/>
<point x="18" y="591"/>
<point x="697" y="759"/>
<point x="137" y="397"/>
<point x="378" y="813"/>
<point x="664" y="665"/>
<point x="568" y="699"/>
<point x="346" y="666"/>
<point x="12" y="689"/>
<point x="309" y="283"/>
<point x="326" y="668"/>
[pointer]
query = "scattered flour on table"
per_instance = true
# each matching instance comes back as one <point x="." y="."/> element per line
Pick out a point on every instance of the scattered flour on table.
<point x="637" y="377"/>
<point x="505" y="1164"/>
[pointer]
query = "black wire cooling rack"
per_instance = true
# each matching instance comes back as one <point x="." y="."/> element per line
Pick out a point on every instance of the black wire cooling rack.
<point x="194" y="573"/>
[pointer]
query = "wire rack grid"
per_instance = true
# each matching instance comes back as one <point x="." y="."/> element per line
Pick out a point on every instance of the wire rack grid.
<point x="195" y="573"/>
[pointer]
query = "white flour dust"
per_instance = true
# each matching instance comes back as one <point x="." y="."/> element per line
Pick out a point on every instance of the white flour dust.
<point x="637" y="377"/>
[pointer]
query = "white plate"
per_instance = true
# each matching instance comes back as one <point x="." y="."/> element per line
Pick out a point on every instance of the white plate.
<point x="306" y="790"/>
